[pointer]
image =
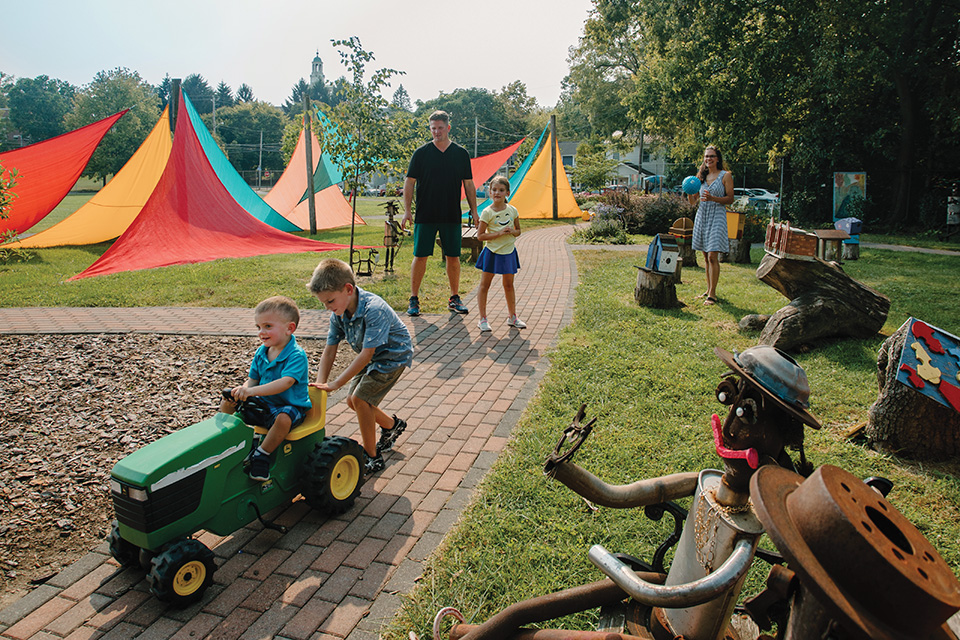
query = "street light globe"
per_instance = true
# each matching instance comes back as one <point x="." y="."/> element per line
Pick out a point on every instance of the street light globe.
<point x="616" y="135"/>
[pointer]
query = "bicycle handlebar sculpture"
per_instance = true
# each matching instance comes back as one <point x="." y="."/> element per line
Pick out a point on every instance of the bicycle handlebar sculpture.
<point x="851" y="566"/>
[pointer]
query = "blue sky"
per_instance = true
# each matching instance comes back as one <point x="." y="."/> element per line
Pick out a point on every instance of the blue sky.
<point x="441" y="46"/>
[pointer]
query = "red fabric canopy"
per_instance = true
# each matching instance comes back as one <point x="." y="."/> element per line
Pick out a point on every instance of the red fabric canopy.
<point x="485" y="166"/>
<point x="191" y="217"/>
<point x="47" y="170"/>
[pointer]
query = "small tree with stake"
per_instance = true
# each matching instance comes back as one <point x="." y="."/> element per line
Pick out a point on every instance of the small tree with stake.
<point x="371" y="136"/>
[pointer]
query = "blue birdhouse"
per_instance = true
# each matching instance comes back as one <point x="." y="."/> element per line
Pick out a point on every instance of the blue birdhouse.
<point x="663" y="253"/>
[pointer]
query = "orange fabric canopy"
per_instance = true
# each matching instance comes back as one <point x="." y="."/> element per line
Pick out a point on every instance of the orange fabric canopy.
<point x="484" y="167"/>
<point x="47" y="170"/>
<point x="285" y="196"/>
<point x="108" y="213"/>
<point x="191" y="217"/>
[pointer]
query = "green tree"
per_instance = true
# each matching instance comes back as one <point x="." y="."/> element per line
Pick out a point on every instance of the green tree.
<point x="108" y="93"/>
<point x="163" y="91"/>
<point x="592" y="169"/>
<point x="199" y="92"/>
<point x="239" y="128"/>
<point x="294" y="104"/>
<point x="224" y="95"/>
<point x="244" y="93"/>
<point x="401" y="99"/>
<point x="38" y="106"/>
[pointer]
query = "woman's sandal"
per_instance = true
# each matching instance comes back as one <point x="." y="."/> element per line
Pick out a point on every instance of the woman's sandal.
<point x="710" y="301"/>
<point x="702" y="295"/>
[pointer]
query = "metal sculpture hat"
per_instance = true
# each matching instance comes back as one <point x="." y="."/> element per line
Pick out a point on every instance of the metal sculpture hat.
<point x="777" y="375"/>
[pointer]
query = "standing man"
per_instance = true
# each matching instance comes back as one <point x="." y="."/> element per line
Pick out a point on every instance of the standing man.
<point x="437" y="171"/>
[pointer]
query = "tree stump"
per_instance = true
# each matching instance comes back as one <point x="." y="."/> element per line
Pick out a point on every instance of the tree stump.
<point x="851" y="251"/>
<point x="687" y="254"/>
<point x="904" y="421"/>
<point x="655" y="289"/>
<point x="739" y="252"/>
<point x="824" y="302"/>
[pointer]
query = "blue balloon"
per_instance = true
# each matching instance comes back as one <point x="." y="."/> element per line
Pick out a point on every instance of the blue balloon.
<point x="691" y="185"/>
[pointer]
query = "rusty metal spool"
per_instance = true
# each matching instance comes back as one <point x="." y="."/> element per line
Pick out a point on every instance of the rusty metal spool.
<point x="870" y="568"/>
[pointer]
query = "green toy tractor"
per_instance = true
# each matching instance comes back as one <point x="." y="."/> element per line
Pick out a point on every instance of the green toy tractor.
<point x="194" y="479"/>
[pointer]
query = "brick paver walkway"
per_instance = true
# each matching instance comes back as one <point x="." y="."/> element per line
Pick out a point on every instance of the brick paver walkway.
<point x="329" y="578"/>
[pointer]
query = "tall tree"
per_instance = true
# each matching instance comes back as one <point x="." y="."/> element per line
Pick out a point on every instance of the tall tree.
<point x="401" y="99"/>
<point x="110" y="92"/>
<point x="38" y="106"/>
<point x="199" y="92"/>
<point x="478" y="119"/>
<point x="244" y="93"/>
<point x="239" y="128"/>
<point x="163" y="90"/>
<point x="294" y="104"/>
<point x="224" y="95"/>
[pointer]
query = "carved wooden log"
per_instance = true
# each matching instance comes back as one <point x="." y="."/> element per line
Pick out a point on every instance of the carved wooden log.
<point x="851" y="252"/>
<point x="904" y="421"/>
<point x="688" y="255"/>
<point x="655" y="289"/>
<point x="824" y="302"/>
<point x="739" y="252"/>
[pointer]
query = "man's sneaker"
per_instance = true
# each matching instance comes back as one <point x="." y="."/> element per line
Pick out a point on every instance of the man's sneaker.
<point x="456" y="305"/>
<point x="516" y="322"/>
<point x="389" y="436"/>
<point x="372" y="465"/>
<point x="259" y="468"/>
<point x="483" y="325"/>
<point x="414" y="308"/>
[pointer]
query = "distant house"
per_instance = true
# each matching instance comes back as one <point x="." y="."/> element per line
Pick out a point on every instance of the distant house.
<point x="630" y="172"/>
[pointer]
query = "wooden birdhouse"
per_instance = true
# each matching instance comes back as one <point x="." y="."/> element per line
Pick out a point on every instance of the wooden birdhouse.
<point x="785" y="241"/>
<point x="682" y="230"/>
<point x="663" y="253"/>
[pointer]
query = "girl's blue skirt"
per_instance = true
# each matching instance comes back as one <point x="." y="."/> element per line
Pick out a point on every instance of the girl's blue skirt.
<point x="491" y="262"/>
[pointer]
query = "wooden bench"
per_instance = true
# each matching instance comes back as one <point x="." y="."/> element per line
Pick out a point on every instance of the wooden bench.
<point x="468" y="235"/>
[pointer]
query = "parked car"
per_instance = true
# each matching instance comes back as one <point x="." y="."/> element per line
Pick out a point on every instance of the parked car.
<point x="756" y="194"/>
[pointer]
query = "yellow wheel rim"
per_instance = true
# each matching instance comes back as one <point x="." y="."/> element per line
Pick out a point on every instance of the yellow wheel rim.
<point x="189" y="578"/>
<point x="345" y="477"/>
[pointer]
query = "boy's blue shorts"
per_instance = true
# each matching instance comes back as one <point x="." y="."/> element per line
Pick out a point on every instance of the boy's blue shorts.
<point x="255" y="411"/>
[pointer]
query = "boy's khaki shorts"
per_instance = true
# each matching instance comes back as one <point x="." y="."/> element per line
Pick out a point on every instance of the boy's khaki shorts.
<point x="371" y="387"/>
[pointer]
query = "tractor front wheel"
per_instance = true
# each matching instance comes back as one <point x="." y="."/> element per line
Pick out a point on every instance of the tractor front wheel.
<point x="181" y="572"/>
<point x="333" y="474"/>
<point x="123" y="551"/>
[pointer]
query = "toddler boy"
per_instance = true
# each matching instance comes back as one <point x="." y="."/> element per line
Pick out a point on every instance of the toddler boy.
<point x="278" y="378"/>
<point x="383" y="347"/>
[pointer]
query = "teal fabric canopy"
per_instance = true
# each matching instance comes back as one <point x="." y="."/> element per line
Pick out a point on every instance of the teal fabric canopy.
<point x="234" y="183"/>
<point x="518" y="175"/>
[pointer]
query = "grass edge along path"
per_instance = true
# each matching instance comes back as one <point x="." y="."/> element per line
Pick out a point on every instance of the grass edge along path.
<point x="649" y="378"/>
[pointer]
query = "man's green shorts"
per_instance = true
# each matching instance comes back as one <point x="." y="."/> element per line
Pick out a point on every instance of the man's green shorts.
<point x="425" y="235"/>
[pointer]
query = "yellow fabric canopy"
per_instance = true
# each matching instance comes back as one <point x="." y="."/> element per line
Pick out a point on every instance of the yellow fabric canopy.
<point x="108" y="213"/>
<point x="534" y="196"/>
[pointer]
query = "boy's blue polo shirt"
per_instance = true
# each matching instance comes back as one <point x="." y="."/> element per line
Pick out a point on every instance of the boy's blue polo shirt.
<point x="374" y="325"/>
<point x="292" y="362"/>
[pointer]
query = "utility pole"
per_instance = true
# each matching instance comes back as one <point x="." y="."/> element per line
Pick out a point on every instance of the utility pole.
<point x="553" y="166"/>
<point x="214" y="98"/>
<point x="476" y="130"/>
<point x="174" y="103"/>
<point x="308" y="147"/>
<point x="260" y="160"/>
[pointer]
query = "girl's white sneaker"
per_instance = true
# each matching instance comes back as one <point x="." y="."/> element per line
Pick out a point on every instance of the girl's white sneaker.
<point x="516" y="322"/>
<point x="483" y="325"/>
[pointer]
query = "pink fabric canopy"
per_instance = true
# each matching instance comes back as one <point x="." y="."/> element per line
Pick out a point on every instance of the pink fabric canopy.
<point x="47" y="170"/>
<point x="191" y="217"/>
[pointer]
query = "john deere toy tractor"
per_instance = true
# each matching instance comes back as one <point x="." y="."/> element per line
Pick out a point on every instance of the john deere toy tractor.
<point x="194" y="479"/>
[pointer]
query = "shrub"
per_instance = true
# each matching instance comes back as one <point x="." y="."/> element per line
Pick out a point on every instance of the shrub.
<point x="656" y="214"/>
<point x="606" y="226"/>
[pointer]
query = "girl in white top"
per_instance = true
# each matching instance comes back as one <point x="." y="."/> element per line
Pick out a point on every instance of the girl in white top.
<point x="499" y="228"/>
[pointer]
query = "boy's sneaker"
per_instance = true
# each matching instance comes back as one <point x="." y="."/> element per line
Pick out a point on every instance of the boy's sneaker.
<point x="456" y="305"/>
<point x="389" y="436"/>
<point x="372" y="465"/>
<point x="483" y="325"/>
<point x="259" y="467"/>
<point x="413" y="309"/>
<point x="516" y="322"/>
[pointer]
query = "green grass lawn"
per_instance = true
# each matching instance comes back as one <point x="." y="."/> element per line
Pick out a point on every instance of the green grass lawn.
<point x="649" y="376"/>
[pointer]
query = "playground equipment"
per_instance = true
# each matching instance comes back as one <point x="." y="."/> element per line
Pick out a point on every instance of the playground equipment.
<point x="194" y="479"/>
<point x="849" y="566"/>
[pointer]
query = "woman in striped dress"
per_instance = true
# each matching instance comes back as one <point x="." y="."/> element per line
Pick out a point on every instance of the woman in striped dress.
<point x="710" y="223"/>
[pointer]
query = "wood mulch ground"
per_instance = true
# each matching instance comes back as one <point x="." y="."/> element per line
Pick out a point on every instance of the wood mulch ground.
<point x="72" y="406"/>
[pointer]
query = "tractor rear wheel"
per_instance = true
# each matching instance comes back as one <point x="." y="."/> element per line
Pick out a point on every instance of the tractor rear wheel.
<point x="123" y="551"/>
<point x="181" y="572"/>
<point x="333" y="474"/>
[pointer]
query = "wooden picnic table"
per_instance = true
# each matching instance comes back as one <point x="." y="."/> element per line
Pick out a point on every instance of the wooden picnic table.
<point x="468" y="235"/>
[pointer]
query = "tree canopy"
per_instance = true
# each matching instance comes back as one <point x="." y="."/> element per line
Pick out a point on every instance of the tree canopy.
<point x="239" y="129"/>
<point x="110" y="92"/>
<point x="38" y="107"/>
<point x="827" y="87"/>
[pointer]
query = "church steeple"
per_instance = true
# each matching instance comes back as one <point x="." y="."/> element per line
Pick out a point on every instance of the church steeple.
<point x="316" y="72"/>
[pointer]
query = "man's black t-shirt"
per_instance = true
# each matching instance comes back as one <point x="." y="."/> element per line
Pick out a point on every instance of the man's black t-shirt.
<point x="439" y="176"/>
